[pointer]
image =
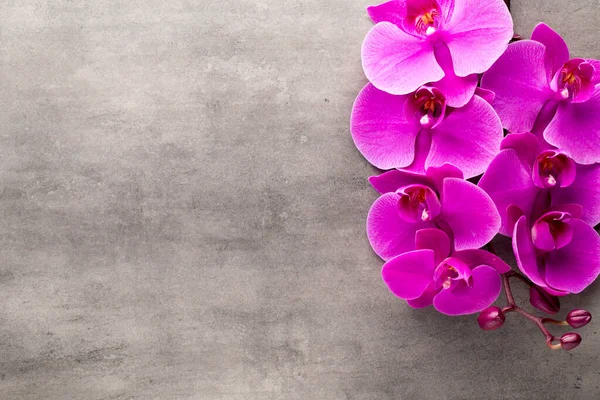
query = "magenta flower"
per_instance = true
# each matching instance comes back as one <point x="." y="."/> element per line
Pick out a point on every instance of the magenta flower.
<point x="424" y="118"/>
<point x="420" y="130"/>
<point x="440" y="199"/>
<point x="529" y="175"/>
<point x="558" y="252"/>
<point x="456" y="283"/>
<point x="415" y="42"/>
<point x="539" y="89"/>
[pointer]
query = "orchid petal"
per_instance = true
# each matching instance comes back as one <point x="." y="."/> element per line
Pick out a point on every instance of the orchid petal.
<point x="397" y="62"/>
<point x="462" y="298"/>
<point x="585" y="190"/>
<point x="475" y="257"/>
<point x="438" y="174"/>
<point x="392" y="11"/>
<point x="468" y="138"/>
<point x="457" y="90"/>
<point x="519" y="79"/>
<point x="381" y="130"/>
<point x="557" y="52"/>
<point x="527" y="146"/>
<point x="485" y="94"/>
<point x="408" y="275"/>
<point x="388" y="233"/>
<point x="479" y="33"/>
<point x="526" y="254"/>
<point x="507" y="182"/>
<point x="426" y="299"/>
<point x="436" y="240"/>
<point x="390" y="181"/>
<point x="576" y="130"/>
<point x="470" y="213"/>
<point x="574" y="267"/>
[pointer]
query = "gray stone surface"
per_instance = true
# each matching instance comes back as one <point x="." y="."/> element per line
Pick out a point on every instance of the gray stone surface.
<point x="183" y="214"/>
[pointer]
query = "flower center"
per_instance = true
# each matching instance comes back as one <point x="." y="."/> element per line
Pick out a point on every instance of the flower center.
<point x="447" y="276"/>
<point x="552" y="231"/>
<point x="568" y="77"/>
<point x="574" y="77"/>
<point x="449" y="270"/>
<point x="423" y="17"/>
<point x="418" y="203"/>
<point x="553" y="168"/>
<point x="428" y="105"/>
<point x="426" y="23"/>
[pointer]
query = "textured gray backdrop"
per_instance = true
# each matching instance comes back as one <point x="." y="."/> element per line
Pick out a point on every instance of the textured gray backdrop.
<point x="182" y="214"/>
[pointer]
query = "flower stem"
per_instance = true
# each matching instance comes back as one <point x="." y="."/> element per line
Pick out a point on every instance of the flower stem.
<point x="513" y="307"/>
<point x="509" y="296"/>
<point x="555" y="322"/>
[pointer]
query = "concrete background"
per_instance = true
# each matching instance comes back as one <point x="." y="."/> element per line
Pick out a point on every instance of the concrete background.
<point x="182" y="214"/>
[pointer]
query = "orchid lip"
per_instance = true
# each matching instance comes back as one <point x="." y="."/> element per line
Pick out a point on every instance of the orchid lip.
<point x="427" y="21"/>
<point x="428" y="105"/>
<point x="553" y="168"/>
<point x="552" y="231"/>
<point x="423" y="17"/>
<point x="418" y="203"/>
<point x="574" y="79"/>
<point x="449" y="270"/>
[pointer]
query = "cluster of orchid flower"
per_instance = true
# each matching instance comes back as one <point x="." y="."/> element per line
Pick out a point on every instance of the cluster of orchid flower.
<point x="445" y="84"/>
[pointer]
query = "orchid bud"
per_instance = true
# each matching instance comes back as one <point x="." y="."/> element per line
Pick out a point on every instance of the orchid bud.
<point x="491" y="318"/>
<point x="543" y="300"/>
<point x="578" y="318"/>
<point x="570" y="340"/>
